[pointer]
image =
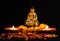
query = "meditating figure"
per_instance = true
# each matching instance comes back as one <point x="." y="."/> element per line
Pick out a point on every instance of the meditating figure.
<point x="32" y="18"/>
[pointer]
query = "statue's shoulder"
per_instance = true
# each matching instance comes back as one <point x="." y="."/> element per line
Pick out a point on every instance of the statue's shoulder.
<point x="35" y="14"/>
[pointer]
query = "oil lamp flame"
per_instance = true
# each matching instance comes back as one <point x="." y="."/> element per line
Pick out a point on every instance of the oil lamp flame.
<point x="13" y="27"/>
<point x="47" y="28"/>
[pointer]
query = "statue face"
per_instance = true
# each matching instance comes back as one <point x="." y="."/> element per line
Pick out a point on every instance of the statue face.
<point x="32" y="10"/>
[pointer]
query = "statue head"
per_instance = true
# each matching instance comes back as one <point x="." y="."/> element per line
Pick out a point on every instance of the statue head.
<point x="32" y="10"/>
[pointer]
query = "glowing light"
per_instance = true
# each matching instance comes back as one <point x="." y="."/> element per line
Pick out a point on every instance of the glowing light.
<point x="11" y="28"/>
<point x="22" y="27"/>
<point x="53" y="28"/>
<point x="36" y="28"/>
<point x="31" y="29"/>
<point x="46" y="28"/>
<point x="54" y="35"/>
<point x="42" y="26"/>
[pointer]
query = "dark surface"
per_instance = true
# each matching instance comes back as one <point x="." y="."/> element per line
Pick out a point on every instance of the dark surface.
<point x="15" y="13"/>
<point x="16" y="39"/>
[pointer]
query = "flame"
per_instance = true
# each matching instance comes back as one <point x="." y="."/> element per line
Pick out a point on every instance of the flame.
<point x="47" y="27"/>
<point x="12" y="26"/>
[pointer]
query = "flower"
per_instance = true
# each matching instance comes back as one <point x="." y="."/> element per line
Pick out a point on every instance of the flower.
<point x="46" y="35"/>
<point x="32" y="37"/>
<point x="50" y="36"/>
<point x="30" y="29"/>
<point x="29" y="33"/>
<point x="54" y="35"/>
<point x="25" y="37"/>
<point x="37" y="36"/>
<point x="22" y="27"/>
<point x="42" y="26"/>
<point x="36" y="29"/>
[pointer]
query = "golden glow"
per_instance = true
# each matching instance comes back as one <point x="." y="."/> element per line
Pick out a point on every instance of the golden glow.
<point x="42" y="26"/>
<point x="46" y="28"/>
<point x="54" y="35"/>
<point x="22" y="27"/>
<point x="31" y="31"/>
<point x="11" y="28"/>
<point x="36" y="28"/>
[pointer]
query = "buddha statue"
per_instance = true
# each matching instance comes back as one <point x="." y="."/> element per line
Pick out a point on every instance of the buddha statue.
<point x="31" y="18"/>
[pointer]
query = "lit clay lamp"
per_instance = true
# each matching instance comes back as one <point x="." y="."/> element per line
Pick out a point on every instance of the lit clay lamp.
<point x="11" y="28"/>
<point x="46" y="28"/>
<point x="53" y="29"/>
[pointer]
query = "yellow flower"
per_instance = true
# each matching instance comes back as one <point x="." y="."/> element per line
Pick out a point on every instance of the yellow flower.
<point x="22" y="27"/>
<point x="50" y="36"/>
<point x="30" y="29"/>
<point x="54" y="35"/>
<point x="26" y="38"/>
<point x="36" y="29"/>
<point x="42" y="26"/>
<point x="29" y="33"/>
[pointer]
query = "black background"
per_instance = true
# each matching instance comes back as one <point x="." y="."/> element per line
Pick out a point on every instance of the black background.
<point x="15" y="13"/>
